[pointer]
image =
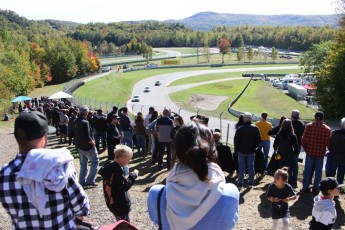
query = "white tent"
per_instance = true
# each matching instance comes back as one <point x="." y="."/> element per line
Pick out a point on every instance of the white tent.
<point x="60" y="95"/>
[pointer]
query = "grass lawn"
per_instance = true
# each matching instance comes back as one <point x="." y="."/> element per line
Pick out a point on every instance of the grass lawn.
<point x="116" y="88"/>
<point x="216" y="76"/>
<point x="258" y="97"/>
<point x="46" y="91"/>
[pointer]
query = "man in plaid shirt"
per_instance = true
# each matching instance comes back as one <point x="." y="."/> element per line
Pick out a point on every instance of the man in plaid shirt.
<point x="60" y="208"/>
<point x="315" y="140"/>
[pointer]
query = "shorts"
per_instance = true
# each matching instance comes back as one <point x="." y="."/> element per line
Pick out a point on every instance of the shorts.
<point x="63" y="129"/>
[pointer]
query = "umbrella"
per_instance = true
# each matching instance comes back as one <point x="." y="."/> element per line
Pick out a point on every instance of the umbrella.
<point x="59" y="95"/>
<point x="21" y="98"/>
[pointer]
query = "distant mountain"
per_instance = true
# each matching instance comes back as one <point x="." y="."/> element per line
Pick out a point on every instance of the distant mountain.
<point x="209" y="20"/>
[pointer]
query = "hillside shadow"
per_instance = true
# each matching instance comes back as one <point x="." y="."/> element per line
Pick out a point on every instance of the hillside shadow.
<point x="302" y="207"/>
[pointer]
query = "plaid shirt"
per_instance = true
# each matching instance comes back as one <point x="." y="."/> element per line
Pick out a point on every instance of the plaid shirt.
<point x="61" y="207"/>
<point x="316" y="138"/>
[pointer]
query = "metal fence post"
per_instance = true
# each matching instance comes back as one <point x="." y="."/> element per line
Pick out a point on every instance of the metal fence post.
<point x="220" y="121"/>
<point x="227" y="134"/>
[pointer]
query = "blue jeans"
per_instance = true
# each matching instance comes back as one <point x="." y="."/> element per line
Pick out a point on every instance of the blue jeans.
<point x="242" y="160"/>
<point x="311" y="164"/>
<point x="103" y="137"/>
<point x="141" y="143"/>
<point x="265" y="145"/>
<point x="128" y="138"/>
<point x="85" y="156"/>
<point x="331" y="169"/>
<point x="293" y="170"/>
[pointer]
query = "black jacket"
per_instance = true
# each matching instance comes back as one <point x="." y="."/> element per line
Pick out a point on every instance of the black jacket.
<point x="293" y="141"/>
<point x="119" y="188"/>
<point x="113" y="135"/>
<point x="247" y="138"/>
<point x="298" y="127"/>
<point x="82" y="134"/>
<point x="337" y="145"/>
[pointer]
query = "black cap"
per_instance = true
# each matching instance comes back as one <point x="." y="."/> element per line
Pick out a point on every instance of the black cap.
<point x="329" y="183"/>
<point x="31" y="125"/>
<point x="99" y="111"/>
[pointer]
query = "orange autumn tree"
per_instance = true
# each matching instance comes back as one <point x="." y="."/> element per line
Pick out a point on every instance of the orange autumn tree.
<point x="224" y="47"/>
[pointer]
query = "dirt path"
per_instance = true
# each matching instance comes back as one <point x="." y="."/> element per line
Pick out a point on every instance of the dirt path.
<point x="254" y="208"/>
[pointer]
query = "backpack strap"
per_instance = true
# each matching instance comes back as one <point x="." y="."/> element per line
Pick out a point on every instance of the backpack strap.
<point x="159" y="208"/>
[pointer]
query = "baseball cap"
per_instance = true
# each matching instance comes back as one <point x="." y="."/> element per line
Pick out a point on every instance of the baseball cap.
<point x="247" y="115"/>
<point x="319" y="115"/>
<point x="329" y="183"/>
<point x="295" y="113"/>
<point x="31" y="125"/>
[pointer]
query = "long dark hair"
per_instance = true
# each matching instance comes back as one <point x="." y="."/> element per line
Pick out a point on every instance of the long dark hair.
<point x="286" y="126"/>
<point x="194" y="146"/>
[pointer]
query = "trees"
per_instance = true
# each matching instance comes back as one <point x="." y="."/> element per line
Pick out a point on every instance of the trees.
<point x="147" y="52"/>
<point x="224" y="47"/>
<point x="250" y="53"/>
<point x="331" y="72"/>
<point x="313" y="59"/>
<point x="274" y="54"/>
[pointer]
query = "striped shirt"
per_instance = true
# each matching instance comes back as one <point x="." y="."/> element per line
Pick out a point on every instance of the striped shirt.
<point x="61" y="207"/>
<point x="316" y="138"/>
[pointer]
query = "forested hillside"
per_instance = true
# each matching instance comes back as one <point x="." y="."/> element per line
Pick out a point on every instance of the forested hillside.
<point x="33" y="54"/>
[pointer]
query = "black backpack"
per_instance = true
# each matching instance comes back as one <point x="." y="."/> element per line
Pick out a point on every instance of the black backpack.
<point x="107" y="178"/>
<point x="285" y="145"/>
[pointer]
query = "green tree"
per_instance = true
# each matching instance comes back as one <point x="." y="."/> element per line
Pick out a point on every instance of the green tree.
<point x="241" y="54"/>
<point x="238" y="42"/>
<point x="250" y="53"/>
<point x="274" y="54"/>
<point x="313" y="59"/>
<point x="147" y="52"/>
<point x="224" y="47"/>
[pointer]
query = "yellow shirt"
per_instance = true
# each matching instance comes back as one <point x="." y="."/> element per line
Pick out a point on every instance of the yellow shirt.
<point x="264" y="127"/>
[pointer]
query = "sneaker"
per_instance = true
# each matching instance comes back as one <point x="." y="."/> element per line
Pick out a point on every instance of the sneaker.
<point x="91" y="185"/>
<point x="250" y="186"/>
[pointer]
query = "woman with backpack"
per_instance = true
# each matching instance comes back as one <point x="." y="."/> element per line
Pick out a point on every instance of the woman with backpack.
<point x="196" y="192"/>
<point x="286" y="148"/>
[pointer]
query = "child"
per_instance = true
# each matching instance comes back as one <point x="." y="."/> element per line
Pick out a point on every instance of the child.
<point x="116" y="185"/>
<point x="324" y="212"/>
<point x="280" y="193"/>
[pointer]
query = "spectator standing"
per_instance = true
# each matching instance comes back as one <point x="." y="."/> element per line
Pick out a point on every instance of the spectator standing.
<point x="140" y="132"/>
<point x="72" y="118"/>
<point x="154" y="136"/>
<point x="264" y="127"/>
<point x="146" y="124"/>
<point x="63" y="125"/>
<point x="114" y="111"/>
<point x="60" y="198"/>
<point x="85" y="145"/>
<point x="185" y="205"/>
<point x="164" y="125"/>
<point x="336" y="158"/>
<point x="273" y="132"/>
<point x="113" y="135"/>
<point x="298" y="128"/>
<point x="315" y="140"/>
<point x="240" y="122"/>
<point x="100" y="129"/>
<point x="126" y="127"/>
<point x="247" y="139"/>
<point x="287" y="146"/>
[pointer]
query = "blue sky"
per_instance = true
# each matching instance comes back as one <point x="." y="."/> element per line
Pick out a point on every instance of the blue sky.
<point x="84" y="11"/>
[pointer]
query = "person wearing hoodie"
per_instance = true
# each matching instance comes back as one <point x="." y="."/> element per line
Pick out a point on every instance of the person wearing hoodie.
<point x="324" y="213"/>
<point x="336" y="157"/>
<point x="181" y="204"/>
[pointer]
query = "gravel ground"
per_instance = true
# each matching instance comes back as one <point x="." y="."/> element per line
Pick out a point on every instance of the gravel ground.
<point x="254" y="208"/>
